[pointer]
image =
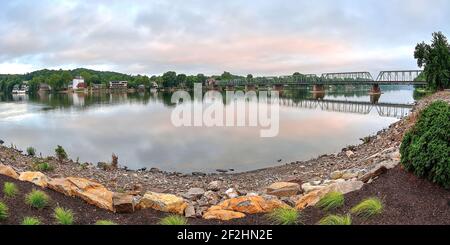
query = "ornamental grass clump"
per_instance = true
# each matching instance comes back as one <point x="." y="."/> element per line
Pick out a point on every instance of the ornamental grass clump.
<point x="31" y="221"/>
<point x="10" y="190"/>
<point x="368" y="208"/>
<point x="425" y="148"/>
<point x="336" y="220"/>
<point x="173" y="220"/>
<point x="4" y="211"/>
<point x="31" y="151"/>
<point x="284" y="216"/>
<point x="105" y="222"/>
<point x="331" y="200"/>
<point x="37" y="199"/>
<point x="63" y="216"/>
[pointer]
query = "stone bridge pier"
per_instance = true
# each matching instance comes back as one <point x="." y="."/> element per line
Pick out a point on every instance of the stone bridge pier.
<point x="278" y="87"/>
<point x="318" y="88"/>
<point x="375" y="89"/>
<point x="250" y="87"/>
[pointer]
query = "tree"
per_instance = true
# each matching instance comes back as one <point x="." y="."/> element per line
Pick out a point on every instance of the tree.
<point x="181" y="79"/>
<point x="435" y="59"/>
<point x="249" y="77"/>
<point x="201" y="79"/>
<point x="226" y="76"/>
<point x="169" y="79"/>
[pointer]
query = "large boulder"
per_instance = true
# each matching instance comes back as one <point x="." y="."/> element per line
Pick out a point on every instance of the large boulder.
<point x="163" y="202"/>
<point x="123" y="203"/>
<point x="221" y="214"/>
<point x="194" y="193"/>
<point x="283" y="189"/>
<point x="250" y="204"/>
<point x="215" y="185"/>
<point x="36" y="178"/>
<point x="8" y="171"/>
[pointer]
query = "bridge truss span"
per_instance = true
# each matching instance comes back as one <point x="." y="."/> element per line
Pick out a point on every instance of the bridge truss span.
<point x="398" y="76"/>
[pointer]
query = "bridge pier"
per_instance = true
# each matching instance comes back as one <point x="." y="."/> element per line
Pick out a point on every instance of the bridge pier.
<point x="375" y="89"/>
<point x="230" y="88"/>
<point x="374" y="98"/>
<point x="318" y="88"/>
<point x="250" y="87"/>
<point x="278" y="87"/>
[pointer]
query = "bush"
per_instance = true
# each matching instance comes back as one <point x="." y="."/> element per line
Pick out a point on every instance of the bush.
<point x="284" y="216"/>
<point x="31" y="221"/>
<point x="331" y="200"/>
<point x="31" y="151"/>
<point x="63" y="216"/>
<point x="105" y="222"/>
<point x="37" y="199"/>
<point x="43" y="167"/>
<point x="60" y="153"/>
<point x="336" y="220"/>
<point x="10" y="190"/>
<point x="3" y="211"/>
<point x="425" y="148"/>
<point x="368" y="208"/>
<point x="173" y="220"/>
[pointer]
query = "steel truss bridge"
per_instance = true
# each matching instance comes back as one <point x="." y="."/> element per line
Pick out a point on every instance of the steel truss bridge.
<point x="359" y="107"/>
<point x="400" y="77"/>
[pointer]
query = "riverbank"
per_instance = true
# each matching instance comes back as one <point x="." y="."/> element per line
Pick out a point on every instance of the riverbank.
<point x="382" y="147"/>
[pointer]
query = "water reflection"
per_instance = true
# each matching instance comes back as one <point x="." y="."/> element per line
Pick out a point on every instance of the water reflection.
<point x="137" y="128"/>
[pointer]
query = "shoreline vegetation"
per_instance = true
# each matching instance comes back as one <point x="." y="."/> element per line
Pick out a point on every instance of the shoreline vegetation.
<point x="204" y="191"/>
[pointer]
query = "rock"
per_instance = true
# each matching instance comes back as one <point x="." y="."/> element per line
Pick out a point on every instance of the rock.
<point x="163" y="202"/>
<point x="250" y="205"/>
<point x="389" y="164"/>
<point x="336" y="175"/>
<point x="224" y="215"/>
<point x="8" y="171"/>
<point x="283" y="189"/>
<point x="123" y="203"/>
<point x="375" y="172"/>
<point x="231" y="193"/>
<point x="61" y="185"/>
<point x="349" y="153"/>
<point x="223" y="171"/>
<point x="92" y="192"/>
<point x="214" y="185"/>
<point x="194" y="193"/>
<point x="308" y="187"/>
<point x="155" y="170"/>
<point x="211" y="197"/>
<point x="198" y="174"/>
<point x="36" y="178"/>
<point x="189" y="212"/>
<point x="313" y="197"/>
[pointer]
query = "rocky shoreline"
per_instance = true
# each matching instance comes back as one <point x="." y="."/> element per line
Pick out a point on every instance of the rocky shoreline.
<point x="354" y="165"/>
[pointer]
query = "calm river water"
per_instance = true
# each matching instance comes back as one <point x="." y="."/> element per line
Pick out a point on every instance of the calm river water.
<point x="137" y="128"/>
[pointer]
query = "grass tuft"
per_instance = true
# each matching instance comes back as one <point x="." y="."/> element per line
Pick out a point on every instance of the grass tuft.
<point x="37" y="199"/>
<point x="284" y="216"/>
<point x="368" y="208"/>
<point x="336" y="220"/>
<point x="3" y="211"/>
<point x="31" y="151"/>
<point x="331" y="200"/>
<point x="30" y="221"/>
<point x="10" y="190"/>
<point x="63" y="216"/>
<point x="43" y="167"/>
<point x="173" y="220"/>
<point x="105" y="222"/>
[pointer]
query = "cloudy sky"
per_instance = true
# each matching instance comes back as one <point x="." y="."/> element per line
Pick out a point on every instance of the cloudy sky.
<point x="263" y="37"/>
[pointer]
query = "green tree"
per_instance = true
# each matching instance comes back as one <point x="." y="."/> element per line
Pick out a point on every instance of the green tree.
<point x="201" y="78"/>
<point x="181" y="79"/>
<point x="169" y="79"/>
<point x="435" y="59"/>
<point x="226" y="76"/>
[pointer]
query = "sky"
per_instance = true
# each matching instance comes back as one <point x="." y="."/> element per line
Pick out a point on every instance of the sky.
<point x="260" y="37"/>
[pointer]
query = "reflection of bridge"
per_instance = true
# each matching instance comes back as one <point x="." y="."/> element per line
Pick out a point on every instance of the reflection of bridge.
<point x="360" y="107"/>
<point x="405" y="77"/>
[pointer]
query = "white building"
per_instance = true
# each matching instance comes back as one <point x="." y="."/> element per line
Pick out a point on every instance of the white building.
<point x="78" y="82"/>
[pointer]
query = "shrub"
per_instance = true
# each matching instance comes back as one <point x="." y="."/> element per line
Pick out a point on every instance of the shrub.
<point x="10" y="190"/>
<point x="284" y="216"/>
<point x="37" y="199"/>
<point x="173" y="220"/>
<point x="31" y="151"/>
<point x="3" y="211"/>
<point x="30" y="221"/>
<point x="63" y="216"/>
<point x="424" y="150"/>
<point x="331" y="200"/>
<point x="336" y="220"/>
<point x="60" y="153"/>
<point x="368" y="208"/>
<point x="105" y="222"/>
<point x="43" y="167"/>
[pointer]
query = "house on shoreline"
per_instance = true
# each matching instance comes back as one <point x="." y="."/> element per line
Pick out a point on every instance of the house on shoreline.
<point x="78" y="83"/>
<point x="118" y="84"/>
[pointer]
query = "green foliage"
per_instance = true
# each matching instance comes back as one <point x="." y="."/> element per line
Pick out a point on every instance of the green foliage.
<point x="331" y="200"/>
<point x="105" y="222"/>
<point x="31" y="221"/>
<point x="43" y="167"/>
<point x="368" y="208"/>
<point x="10" y="190"/>
<point x="435" y="59"/>
<point x="31" y="151"/>
<point x="60" y="153"/>
<point x="336" y="220"/>
<point x="425" y="148"/>
<point x="37" y="199"/>
<point x="173" y="220"/>
<point x="3" y="211"/>
<point x="63" y="216"/>
<point x="284" y="216"/>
